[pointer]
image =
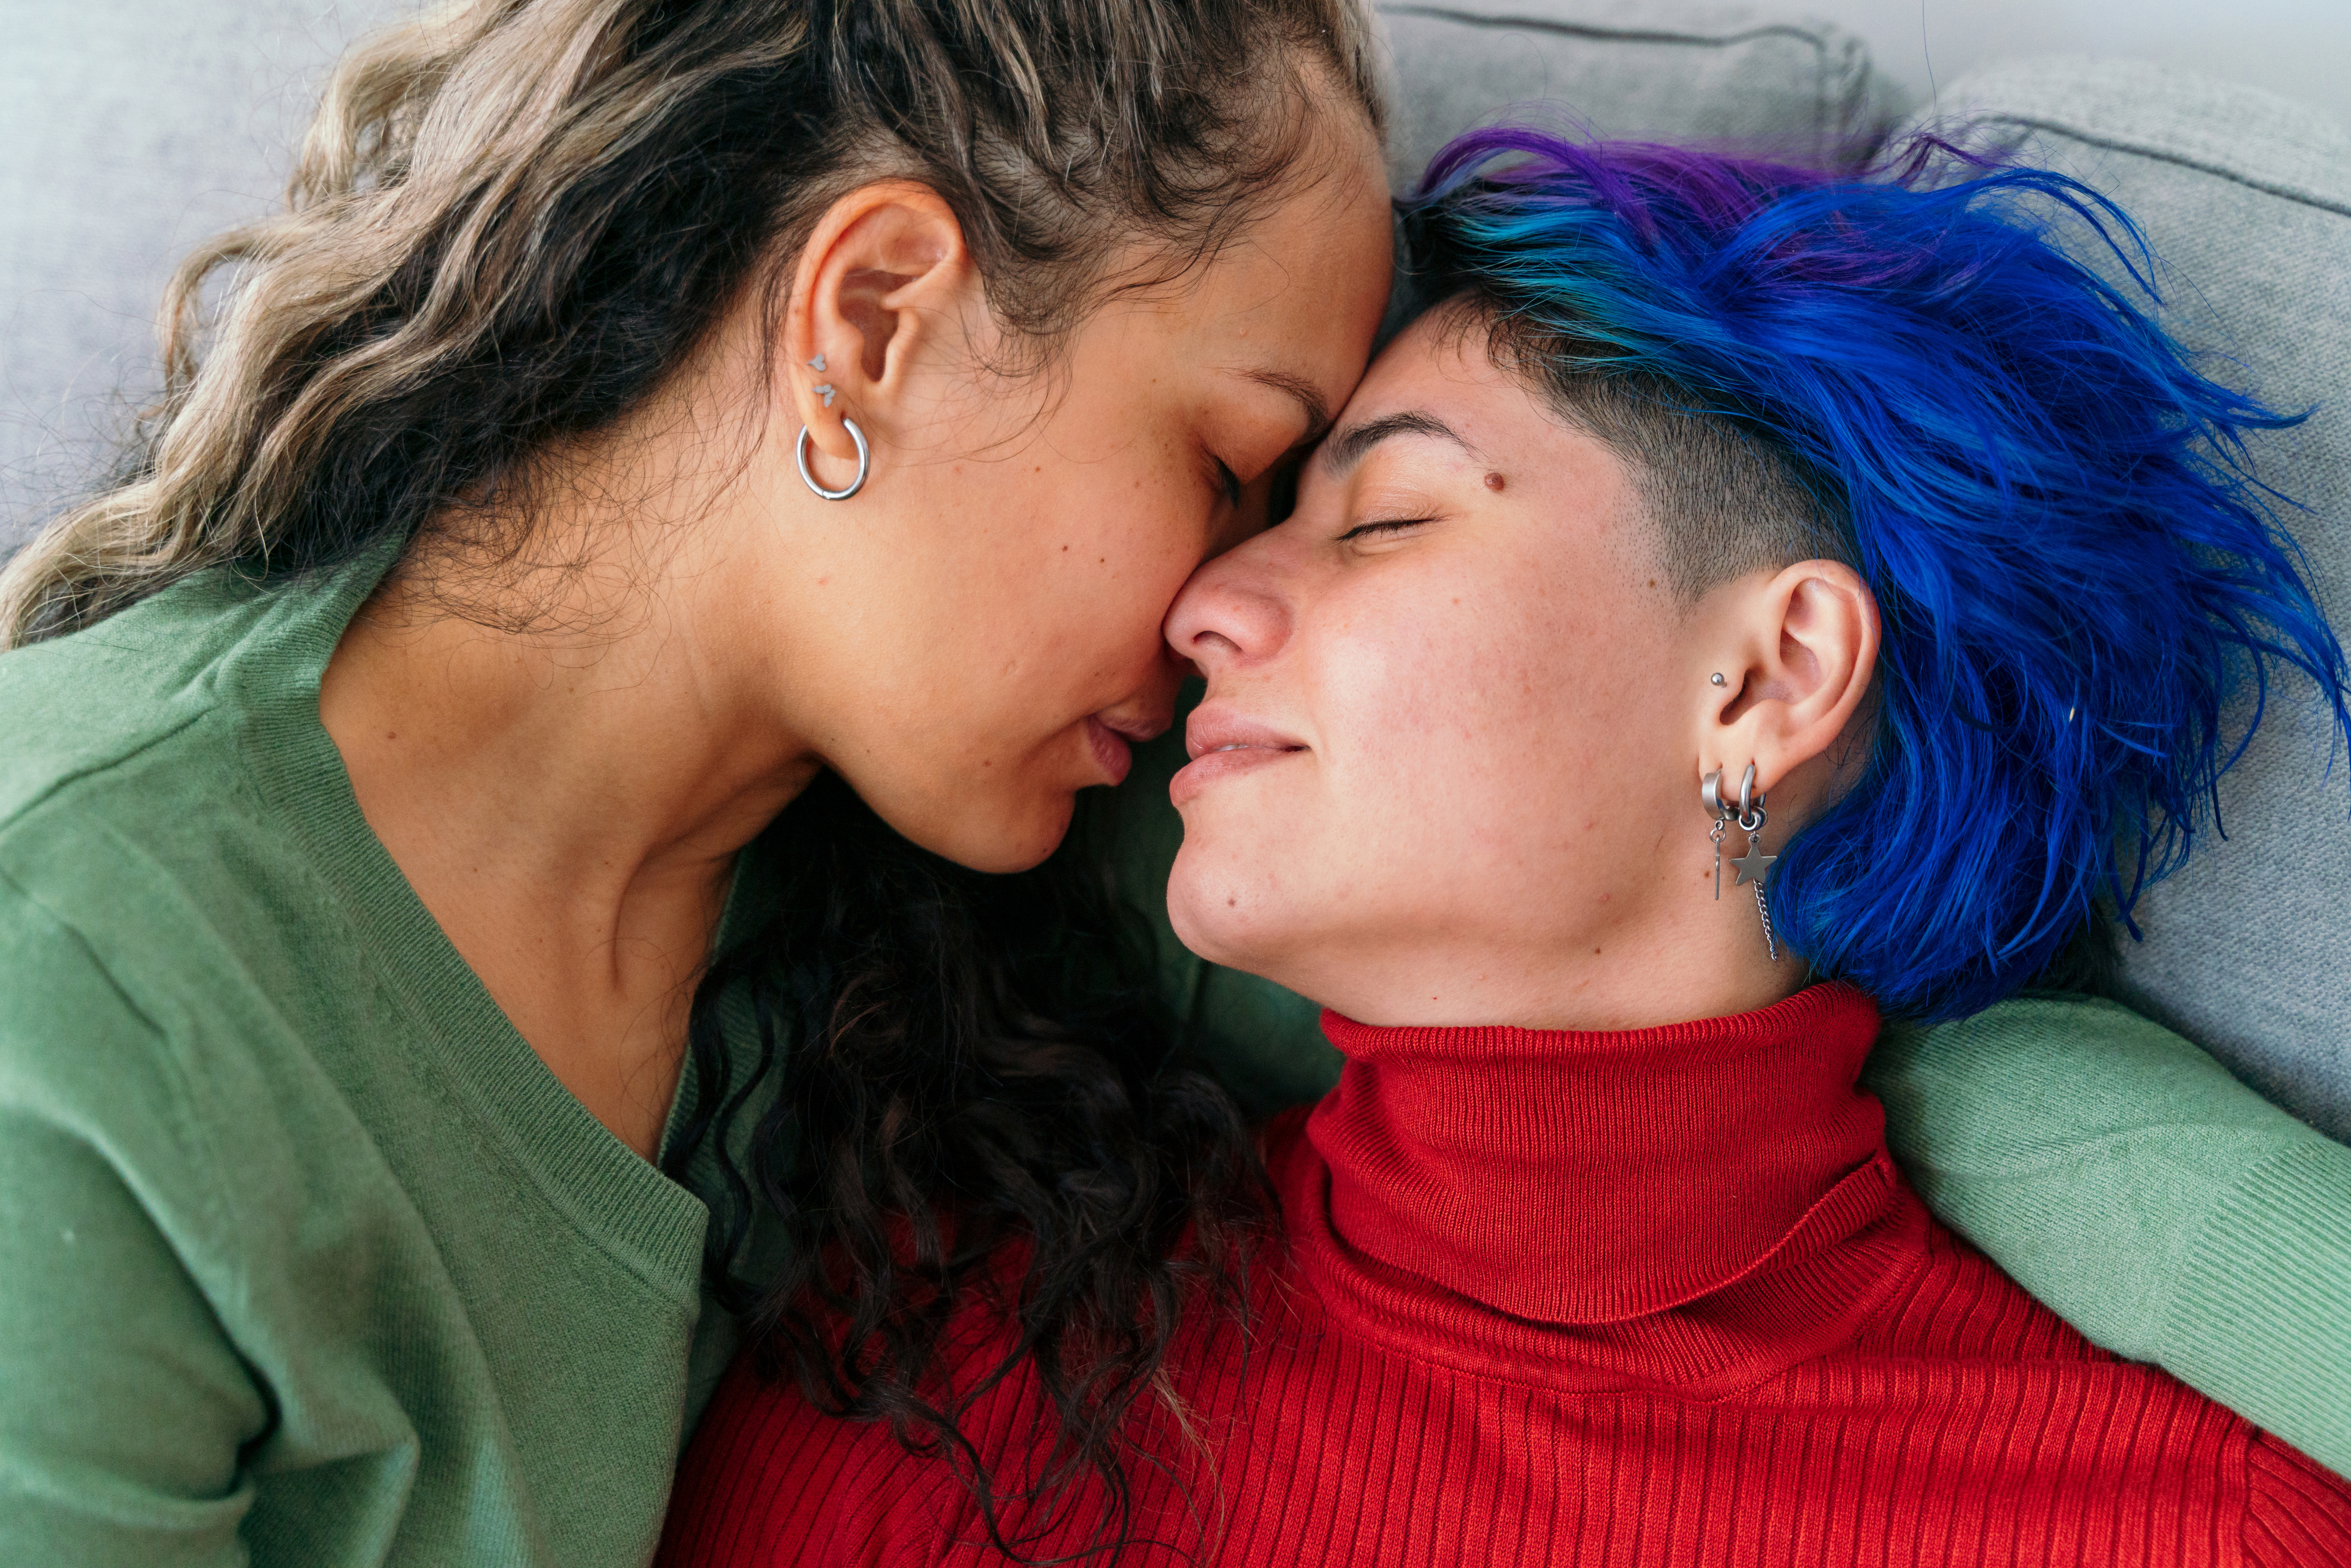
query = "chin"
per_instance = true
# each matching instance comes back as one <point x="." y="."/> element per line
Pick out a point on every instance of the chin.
<point x="1224" y="918"/>
<point x="1019" y="837"/>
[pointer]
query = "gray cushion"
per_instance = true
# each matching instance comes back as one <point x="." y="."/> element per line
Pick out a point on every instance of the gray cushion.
<point x="1632" y="69"/>
<point x="2246" y="199"/>
<point x="129" y="132"/>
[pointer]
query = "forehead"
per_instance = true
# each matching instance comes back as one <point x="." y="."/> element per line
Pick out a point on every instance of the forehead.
<point x="1440" y="363"/>
<point x="1296" y="255"/>
<point x="1298" y="290"/>
<point x="1439" y="369"/>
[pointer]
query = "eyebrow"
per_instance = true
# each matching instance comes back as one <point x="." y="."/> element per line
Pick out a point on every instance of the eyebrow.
<point x="1311" y="401"/>
<point x="1346" y="449"/>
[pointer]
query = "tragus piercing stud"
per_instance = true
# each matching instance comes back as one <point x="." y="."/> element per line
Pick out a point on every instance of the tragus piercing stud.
<point x="817" y="364"/>
<point x="1716" y="678"/>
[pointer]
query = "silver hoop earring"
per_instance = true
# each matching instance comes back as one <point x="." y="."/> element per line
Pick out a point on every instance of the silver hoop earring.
<point x="864" y="461"/>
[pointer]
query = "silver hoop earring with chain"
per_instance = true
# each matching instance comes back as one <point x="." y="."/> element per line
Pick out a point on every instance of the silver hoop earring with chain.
<point x="1754" y="866"/>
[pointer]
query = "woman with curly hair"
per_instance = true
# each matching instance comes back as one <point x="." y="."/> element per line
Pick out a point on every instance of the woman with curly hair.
<point x="644" y="408"/>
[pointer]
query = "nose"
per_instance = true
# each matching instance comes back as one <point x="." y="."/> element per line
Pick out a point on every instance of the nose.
<point x="1237" y="610"/>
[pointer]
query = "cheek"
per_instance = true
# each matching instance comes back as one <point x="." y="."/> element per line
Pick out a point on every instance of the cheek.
<point x="1441" y="791"/>
<point x="1128" y="543"/>
<point x="1490" y="761"/>
<point x="1065" y="619"/>
<point x="1455" y="739"/>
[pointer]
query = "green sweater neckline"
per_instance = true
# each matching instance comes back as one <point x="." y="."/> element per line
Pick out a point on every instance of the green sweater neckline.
<point x="635" y="1211"/>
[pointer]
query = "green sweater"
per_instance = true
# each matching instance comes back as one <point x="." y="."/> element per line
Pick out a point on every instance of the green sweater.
<point x="306" y="1258"/>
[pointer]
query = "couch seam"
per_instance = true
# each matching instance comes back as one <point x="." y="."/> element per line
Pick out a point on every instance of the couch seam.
<point x="1628" y="34"/>
<point x="1819" y="44"/>
<point x="2058" y="128"/>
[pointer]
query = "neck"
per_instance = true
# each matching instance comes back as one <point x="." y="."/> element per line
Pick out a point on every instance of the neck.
<point x="1683" y="955"/>
<point x="587" y="718"/>
<point x="583" y="768"/>
<point x="562" y="747"/>
<point x="566" y="805"/>
<point x="1566" y="1177"/>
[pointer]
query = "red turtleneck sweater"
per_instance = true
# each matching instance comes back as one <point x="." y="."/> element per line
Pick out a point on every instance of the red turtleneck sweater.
<point x="1652" y="1297"/>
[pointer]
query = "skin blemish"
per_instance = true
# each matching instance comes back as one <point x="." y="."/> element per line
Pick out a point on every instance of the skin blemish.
<point x="1231" y="901"/>
<point x="1495" y="481"/>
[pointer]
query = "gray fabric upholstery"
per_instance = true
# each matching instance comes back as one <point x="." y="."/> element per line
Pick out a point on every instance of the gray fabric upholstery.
<point x="1631" y="68"/>
<point x="2246" y="199"/>
<point x="128" y="132"/>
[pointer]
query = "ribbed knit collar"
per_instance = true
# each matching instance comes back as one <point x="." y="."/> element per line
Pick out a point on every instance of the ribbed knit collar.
<point x="1684" y="1205"/>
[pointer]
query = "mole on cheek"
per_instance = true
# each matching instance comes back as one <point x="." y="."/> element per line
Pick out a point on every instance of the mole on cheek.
<point x="1494" y="481"/>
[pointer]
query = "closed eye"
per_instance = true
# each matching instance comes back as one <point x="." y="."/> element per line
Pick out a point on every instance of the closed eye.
<point x="1378" y="527"/>
<point x="1230" y="482"/>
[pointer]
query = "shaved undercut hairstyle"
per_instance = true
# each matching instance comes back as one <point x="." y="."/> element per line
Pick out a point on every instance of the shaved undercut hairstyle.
<point x="2077" y="567"/>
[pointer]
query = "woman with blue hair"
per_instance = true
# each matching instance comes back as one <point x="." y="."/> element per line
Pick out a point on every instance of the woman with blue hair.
<point x="1747" y="606"/>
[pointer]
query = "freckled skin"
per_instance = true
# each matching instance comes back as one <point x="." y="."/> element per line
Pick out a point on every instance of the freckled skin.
<point x="1494" y="800"/>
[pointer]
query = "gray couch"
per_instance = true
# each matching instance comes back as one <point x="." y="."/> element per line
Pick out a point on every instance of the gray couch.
<point x="126" y="145"/>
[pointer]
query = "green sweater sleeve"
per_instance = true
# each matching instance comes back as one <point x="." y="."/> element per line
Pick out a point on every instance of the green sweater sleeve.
<point x="126" y="1405"/>
<point x="2124" y="1177"/>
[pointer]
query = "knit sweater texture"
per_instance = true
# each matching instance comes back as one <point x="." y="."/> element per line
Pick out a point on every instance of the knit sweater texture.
<point x="307" y="1259"/>
<point x="1641" y="1297"/>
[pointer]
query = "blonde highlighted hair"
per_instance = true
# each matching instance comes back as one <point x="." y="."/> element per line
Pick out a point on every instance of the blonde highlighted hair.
<point x="511" y="218"/>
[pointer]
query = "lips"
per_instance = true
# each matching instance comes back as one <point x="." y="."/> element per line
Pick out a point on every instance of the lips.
<point x="1111" y="736"/>
<point x="1111" y="749"/>
<point x="1223" y="743"/>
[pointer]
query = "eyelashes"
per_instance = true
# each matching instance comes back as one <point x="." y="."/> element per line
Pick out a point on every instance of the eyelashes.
<point x="1228" y="482"/>
<point x="1379" y="525"/>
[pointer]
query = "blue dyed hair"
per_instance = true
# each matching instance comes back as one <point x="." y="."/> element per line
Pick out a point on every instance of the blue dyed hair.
<point x="2075" y="566"/>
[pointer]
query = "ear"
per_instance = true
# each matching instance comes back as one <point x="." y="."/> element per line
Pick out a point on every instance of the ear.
<point x="882" y="281"/>
<point x="1796" y="651"/>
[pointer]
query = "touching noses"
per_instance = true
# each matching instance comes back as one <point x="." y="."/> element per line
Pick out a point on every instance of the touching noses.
<point x="1235" y="610"/>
